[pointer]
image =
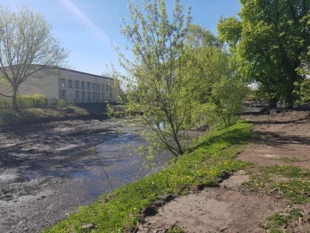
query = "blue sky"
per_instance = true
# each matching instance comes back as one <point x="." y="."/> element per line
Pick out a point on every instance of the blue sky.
<point x="87" y="27"/>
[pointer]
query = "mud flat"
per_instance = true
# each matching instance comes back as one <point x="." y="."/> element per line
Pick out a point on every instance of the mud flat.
<point x="48" y="170"/>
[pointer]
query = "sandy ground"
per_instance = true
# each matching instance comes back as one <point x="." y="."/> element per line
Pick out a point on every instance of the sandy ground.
<point x="230" y="208"/>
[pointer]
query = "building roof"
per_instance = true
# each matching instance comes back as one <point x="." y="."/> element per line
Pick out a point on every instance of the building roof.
<point x="80" y="72"/>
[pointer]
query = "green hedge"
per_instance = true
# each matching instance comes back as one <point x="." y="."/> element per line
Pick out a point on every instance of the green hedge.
<point x="26" y="101"/>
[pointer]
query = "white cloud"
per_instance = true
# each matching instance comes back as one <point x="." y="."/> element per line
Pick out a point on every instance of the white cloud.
<point x="69" y="5"/>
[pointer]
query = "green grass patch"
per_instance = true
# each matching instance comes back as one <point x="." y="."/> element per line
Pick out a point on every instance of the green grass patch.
<point x="176" y="230"/>
<point x="276" y="222"/>
<point x="205" y="164"/>
<point x="290" y="182"/>
<point x="289" y="160"/>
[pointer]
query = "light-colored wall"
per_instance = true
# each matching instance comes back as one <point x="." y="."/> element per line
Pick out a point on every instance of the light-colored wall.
<point x="49" y="84"/>
<point x="43" y="83"/>
<point x="101" y="95"/>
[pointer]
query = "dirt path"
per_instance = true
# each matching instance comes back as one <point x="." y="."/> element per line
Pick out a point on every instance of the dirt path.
<point x="285" y="141"/>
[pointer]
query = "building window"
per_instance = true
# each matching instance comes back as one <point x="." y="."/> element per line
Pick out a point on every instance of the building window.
<point x="62" y="83"/>
<point x="83" y="85"/>
<point x="62" y="94"/>
<point x="83" y="95"/>
<point x="77" y="95"/>
<point x="103" y="95"/>
<point x="98" y="87"/>
<point x="110" y="88"/>
<point x="102" y="87"/>
<point x="88" y="85"/>
<point x="110" y="96"/>
<point x="94" y="95"/>
<point x="98" y="95"/>
<point x="70" y="84"/>
<point x="88" y="95"/>
<point x="107" y="88"/>
<point x="77" y="84"/>
<point x="94" y="86"/>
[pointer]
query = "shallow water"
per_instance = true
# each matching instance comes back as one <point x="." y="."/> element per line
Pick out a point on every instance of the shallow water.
<point x="55" y="186"/>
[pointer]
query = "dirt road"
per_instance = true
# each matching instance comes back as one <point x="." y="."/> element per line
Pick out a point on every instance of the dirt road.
<point x="48" y="170"/>
<point x="285" y="141"/>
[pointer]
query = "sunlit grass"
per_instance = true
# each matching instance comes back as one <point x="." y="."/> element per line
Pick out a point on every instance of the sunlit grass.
<point x="290" y="182"/>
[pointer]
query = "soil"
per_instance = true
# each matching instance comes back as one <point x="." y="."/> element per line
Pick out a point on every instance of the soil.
<point x="48" y="170"/>
<point x="230" y="207"/>
<point x="282" y="135"/>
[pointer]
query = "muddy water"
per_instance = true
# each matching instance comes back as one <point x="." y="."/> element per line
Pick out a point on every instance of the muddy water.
<point x="45" y="191"/>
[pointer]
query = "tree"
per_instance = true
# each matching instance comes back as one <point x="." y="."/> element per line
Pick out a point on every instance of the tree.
<point x="27" y="48"/>
<point x="272" y="41"/>
<point x="156" y="78"/>
<point x="214" y="84"/>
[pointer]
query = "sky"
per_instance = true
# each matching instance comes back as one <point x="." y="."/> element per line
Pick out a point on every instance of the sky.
<point x="88" y="28"/>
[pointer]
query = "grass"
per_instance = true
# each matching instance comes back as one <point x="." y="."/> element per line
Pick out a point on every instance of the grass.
<point x="278" y="221"/>
<point x="290" y="182"/>
<point x="176" y="230"/>
<point x="205" y="164"/>
<point x="287" y="182"/>
<point x="290" y="160"/>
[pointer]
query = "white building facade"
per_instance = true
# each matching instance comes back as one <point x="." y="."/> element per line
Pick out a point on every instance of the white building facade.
<point x="72" y="86"/>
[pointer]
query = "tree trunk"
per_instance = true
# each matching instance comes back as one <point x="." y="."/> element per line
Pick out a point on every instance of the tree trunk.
<point x="273" y="102"/>
<point x="289" y="100"/>
<point x="14" y="101"/>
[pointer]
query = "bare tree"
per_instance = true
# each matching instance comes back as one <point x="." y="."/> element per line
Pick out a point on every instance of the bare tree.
<point x="27" y="47"/>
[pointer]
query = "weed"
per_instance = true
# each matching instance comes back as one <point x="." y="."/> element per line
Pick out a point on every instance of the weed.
<point x="289" y="160"/>
<point x="290" y="182"/>
<point x="278" y="221"/>
<point x="176" y="230"/>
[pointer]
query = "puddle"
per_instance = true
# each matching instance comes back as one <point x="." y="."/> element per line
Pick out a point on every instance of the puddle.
<point x="81" y="174"/>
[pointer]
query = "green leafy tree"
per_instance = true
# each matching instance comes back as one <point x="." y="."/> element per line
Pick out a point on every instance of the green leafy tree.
<point x="155" y="72"/>
<point x="27" y="47"/>
<point x="214" y="84"/>
<point x="272" y="43"/>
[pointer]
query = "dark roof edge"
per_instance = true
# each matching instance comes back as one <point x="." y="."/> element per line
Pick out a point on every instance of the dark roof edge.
<point x="80" y="72"/>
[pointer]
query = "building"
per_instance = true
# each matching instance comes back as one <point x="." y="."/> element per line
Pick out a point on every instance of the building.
<point x="72" y="86"/>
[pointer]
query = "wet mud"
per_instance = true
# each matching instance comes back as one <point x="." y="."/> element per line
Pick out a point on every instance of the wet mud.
<point x="48" y="170"/>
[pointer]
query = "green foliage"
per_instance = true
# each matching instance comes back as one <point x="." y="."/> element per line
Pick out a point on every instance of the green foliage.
<point x="119" y="210"/>
<point x="272" y="44"/>
<point x="303" y="91"/>
<point x="176" y="75"/>
<point x="26" y="101"/>
<point x="227" y="95"/>
<point x="154" y="86"/>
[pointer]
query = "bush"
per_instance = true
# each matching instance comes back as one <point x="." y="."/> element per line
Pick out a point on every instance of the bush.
<point x="26" y="101"/>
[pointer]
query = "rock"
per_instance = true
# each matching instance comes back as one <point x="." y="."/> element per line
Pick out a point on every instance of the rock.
<point x="88" y="226"/>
